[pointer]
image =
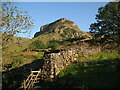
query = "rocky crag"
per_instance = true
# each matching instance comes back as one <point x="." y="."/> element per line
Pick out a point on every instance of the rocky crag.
<point x="61" y="29"/>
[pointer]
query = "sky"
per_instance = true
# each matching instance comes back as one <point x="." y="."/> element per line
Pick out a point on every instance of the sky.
<point x="58" y="0"/>
<point x="81" y="13"/>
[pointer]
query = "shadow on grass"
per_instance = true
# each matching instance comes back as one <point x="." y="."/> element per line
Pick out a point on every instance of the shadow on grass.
<point x="92" y="74"/>
<point x="12" y="79"/>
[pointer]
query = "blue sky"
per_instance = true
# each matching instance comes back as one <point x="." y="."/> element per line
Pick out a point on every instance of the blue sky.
<point x="82" y="13"/>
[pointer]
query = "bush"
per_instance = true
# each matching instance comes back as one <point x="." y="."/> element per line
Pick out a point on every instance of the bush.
<point x="14" y="64"/>
<point x="17" y="63"/>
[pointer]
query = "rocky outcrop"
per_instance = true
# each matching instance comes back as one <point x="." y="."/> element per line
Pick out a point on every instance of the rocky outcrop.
<point x="55" y="61"/>
<point x="63" y="27"/>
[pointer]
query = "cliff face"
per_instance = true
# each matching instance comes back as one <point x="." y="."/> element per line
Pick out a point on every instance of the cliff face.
<point x="64" y="29"/>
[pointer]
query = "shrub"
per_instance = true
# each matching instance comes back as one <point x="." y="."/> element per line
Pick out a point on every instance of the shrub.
<point x="17" y="63"/>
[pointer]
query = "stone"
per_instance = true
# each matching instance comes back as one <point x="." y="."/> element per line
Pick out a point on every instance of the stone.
<point x="57" y="73"/>
<point x="52" y="72"/>
<point x="75" y="59"/>
<point x="51" y="76"/>
<point x="59" y="61"/>
<point x="59" y="53"/>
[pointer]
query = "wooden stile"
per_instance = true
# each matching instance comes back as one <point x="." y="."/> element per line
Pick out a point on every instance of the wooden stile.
<point x="31" y="80"/>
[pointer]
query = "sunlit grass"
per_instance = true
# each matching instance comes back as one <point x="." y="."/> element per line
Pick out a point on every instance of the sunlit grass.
<point x="100" y="71"/>
<point x="11" y="61"/>
<point x="99" y="56"/>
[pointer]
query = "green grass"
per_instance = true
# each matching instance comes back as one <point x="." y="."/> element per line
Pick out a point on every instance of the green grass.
<point x="11" y="61"/>
<point x="99" y="56"/>
<point x="104" y="56"/>
<point x="101" y="71"/>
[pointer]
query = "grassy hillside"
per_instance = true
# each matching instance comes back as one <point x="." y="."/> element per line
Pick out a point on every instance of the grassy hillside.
<point x="100" y="71"/>
<point x="14" y="44"/>
<point x="48" y="37"/>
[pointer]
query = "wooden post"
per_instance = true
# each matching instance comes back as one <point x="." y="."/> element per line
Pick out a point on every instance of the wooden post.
<point x="24" y="86"/>
<point x="31" y="70"/>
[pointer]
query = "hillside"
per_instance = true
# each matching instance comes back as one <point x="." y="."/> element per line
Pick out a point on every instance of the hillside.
<point x="60" y="30"/>
<point x="14" y="44"/>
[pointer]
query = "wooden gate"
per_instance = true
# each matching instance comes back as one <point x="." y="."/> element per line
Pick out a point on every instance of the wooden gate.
<point x="31" y="80"/>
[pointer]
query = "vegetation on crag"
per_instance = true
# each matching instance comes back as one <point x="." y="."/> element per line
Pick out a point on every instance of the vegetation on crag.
<point x="96" y="71"/>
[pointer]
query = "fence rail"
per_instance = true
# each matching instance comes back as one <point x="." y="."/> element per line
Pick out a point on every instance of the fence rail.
<point x="31" y="80"/>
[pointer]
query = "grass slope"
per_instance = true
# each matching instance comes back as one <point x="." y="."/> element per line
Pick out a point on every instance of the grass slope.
<point x="16" y="68"/>
<point x="14" y="44"/>
<point x="100" y="72"/>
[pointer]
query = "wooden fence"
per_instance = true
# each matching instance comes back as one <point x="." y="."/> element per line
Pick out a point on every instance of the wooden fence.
<point x="31" y="80"/>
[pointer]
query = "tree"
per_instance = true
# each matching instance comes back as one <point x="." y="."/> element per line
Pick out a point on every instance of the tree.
<point x="37" y="45"/>
<point x="107" y="27"/>
<point x="53" y="45"/>
<point x="14" y="20"/>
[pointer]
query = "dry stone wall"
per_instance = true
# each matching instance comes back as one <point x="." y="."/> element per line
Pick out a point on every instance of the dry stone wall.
<point x="59" y="59"/>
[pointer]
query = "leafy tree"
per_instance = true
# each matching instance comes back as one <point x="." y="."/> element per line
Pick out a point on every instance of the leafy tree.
<point x="107" y="27"/>
<point x="37" y="45"/>
<point x="53" y="45"/>
<point x="14" y="20"/>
